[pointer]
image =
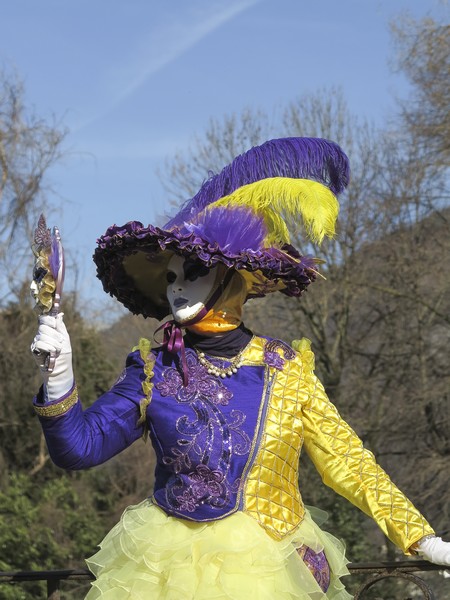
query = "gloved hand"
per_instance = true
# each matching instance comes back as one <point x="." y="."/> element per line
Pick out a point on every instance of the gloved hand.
<point x="435" y="550"/>
<point x="52" y="336"/>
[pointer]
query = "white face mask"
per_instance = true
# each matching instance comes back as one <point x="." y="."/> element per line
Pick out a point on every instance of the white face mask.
<point x="189" y="286"/>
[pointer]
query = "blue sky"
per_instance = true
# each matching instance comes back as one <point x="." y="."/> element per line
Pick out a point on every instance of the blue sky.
<point x="135" y="80"/>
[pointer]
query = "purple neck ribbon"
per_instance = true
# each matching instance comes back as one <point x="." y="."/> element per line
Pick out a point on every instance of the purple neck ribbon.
<point x="173" y="340"/>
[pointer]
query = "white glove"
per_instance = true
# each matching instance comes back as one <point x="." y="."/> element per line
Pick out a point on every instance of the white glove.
<point x="52" y="336"/>
<point x="435" y="550"/>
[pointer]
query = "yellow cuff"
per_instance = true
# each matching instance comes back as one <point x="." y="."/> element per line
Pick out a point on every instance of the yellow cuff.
<point x="61" y="407"/>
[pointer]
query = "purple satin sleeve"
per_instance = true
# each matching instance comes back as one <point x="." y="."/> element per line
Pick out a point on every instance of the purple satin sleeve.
<point x="81" y="439"/>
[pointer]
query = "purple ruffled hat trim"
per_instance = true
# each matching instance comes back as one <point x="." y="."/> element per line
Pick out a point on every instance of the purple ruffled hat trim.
<point x="131" y="262"/>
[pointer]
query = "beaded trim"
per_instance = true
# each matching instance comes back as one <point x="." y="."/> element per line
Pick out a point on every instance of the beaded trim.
<point x="55" y="410"/>
<point x="223" y="372"/>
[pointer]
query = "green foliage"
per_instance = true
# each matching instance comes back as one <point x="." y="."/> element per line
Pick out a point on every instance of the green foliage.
<point x="94" y="370"/>
<point x="48" y="518"/>
<point x="19" y="431"/>
<point x="44" y="526"/>
<point x="95" y="373"/>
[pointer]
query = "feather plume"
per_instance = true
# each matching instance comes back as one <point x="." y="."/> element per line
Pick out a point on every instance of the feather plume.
<point x="233" y="229"/>
<point x="42" y="235"/>
<point x="316" y="159"/>
<point x="280" y="201"/>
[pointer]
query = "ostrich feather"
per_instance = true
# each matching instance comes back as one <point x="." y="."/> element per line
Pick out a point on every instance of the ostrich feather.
<point x="280" y="201"/>
<point x="316" y="159"/>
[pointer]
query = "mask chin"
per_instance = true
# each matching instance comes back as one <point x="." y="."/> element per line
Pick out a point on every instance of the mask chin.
<point x="182" y="315"/>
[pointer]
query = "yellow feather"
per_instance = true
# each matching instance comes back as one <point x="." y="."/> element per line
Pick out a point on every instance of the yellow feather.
<point x="282" y="200"/>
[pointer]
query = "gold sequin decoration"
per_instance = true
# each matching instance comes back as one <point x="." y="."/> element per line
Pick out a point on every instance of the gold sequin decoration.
<point x="55" y="410"/>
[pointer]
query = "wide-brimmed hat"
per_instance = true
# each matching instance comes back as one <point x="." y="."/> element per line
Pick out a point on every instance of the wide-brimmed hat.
<point x="241" y="218"/>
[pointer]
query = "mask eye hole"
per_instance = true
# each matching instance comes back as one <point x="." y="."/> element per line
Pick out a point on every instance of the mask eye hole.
<point x="171" y="277"/>
<point x="193" y="270"/>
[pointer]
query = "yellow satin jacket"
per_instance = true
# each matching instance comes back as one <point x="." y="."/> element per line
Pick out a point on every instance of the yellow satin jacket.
<point x="299" y="413"/>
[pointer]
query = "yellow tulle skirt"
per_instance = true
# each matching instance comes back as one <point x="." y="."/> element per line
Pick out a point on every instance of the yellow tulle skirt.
<point x="151" y="556"/>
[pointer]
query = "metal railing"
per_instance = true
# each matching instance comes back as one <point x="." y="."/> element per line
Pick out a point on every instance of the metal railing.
<point x="405" y="570"/>
<point x="375" y="572"/>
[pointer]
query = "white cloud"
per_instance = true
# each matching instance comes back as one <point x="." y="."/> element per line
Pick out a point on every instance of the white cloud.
<point x="164" y="44"/>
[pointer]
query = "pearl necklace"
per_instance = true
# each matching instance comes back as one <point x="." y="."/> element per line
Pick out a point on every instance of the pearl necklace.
<point x="223" y="372"/>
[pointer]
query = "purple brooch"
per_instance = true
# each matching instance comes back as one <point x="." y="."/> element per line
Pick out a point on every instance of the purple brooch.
<point x="273" y="358"/>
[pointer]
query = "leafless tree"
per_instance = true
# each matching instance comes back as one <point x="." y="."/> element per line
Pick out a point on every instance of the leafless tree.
<point x="223" y="140"/>
<point x="29" y="147"/>
<point x="423" y="54"/>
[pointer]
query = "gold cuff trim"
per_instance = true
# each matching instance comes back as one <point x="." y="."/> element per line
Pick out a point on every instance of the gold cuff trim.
<point x="55" y="410"/>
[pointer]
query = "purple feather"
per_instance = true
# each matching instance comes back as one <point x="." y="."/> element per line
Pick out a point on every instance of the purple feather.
<point x="234" y="231"/>
<point x="299" y="158"/>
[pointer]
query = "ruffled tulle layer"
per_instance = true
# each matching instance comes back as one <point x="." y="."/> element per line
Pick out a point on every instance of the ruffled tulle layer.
<point x="149" y="555"/>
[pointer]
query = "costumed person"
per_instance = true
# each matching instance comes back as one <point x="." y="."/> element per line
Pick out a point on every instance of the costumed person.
<point x="227" y="411"/>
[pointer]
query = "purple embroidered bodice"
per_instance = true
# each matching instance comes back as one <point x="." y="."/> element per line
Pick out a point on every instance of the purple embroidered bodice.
<point x="202" y="436"/>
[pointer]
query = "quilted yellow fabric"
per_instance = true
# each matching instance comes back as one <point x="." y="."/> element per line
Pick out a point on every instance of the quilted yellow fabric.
<point x="271" y="493"/>
<point x="352" y="471"/>
<point x="296" y="412"/>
